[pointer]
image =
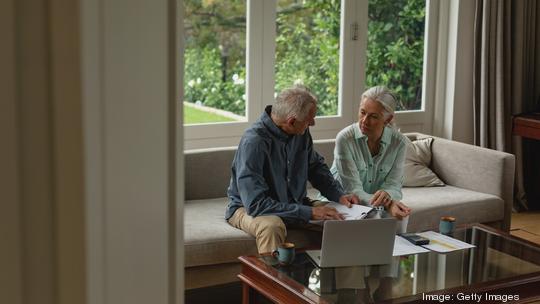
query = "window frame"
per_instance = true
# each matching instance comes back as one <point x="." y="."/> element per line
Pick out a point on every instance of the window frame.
<point x="260" y="63"/>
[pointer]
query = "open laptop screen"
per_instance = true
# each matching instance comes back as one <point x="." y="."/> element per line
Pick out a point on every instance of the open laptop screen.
<point x="356" y="243"/>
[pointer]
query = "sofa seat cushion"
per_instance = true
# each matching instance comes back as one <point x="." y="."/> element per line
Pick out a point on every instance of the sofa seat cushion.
<point x="209" y="239"/>
<point x="430" y="203"/>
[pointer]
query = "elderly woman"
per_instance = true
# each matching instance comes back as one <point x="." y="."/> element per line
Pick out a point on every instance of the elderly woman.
<point x="368" y="161"/>
<point x="369" y="154"/>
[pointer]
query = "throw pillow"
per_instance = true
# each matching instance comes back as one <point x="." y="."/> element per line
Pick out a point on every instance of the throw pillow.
<point x="416" y="169"/>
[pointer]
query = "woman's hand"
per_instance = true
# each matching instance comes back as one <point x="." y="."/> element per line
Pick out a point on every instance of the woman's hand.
<point x="381" y="198"/>
<point x="399" y="210"/>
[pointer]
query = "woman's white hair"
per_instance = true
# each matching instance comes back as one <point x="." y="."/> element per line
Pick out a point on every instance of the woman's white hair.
<point x="294" y="102"/>
<point x="385" y="98"/>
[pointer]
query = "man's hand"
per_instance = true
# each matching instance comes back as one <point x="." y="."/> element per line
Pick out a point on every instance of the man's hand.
<point x="381" y="198"/>
<point x="349" y="199"/>
<point x="325" y="213"/>
<point x="399" y="210"/>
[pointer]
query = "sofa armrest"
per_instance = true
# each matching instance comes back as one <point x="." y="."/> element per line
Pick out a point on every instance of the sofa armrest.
<point x="475" y="168"/>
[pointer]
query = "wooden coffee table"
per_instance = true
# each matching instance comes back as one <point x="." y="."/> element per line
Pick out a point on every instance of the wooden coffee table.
<point x="501" y="266"/>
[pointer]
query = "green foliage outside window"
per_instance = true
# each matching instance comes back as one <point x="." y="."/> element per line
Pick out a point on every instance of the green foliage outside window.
<point x="204" y="83"/>
<point x="307" y="48"/>
<point x="214" y="57"/>
<point x="396" y="47"/>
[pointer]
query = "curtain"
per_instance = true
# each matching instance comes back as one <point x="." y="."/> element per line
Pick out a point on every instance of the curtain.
<point x="506" y="82"/>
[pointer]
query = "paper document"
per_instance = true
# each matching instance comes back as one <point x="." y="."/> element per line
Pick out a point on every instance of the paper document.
<point x="404" y="247"/>
<point x="356" y="212"/>
<point x="442" y="243"/>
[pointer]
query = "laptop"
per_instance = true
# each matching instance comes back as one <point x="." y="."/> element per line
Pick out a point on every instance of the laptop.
<point x="356" y="243"/>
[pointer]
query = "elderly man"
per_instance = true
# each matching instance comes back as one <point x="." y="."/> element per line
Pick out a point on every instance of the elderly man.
<point x="274" y="161"/>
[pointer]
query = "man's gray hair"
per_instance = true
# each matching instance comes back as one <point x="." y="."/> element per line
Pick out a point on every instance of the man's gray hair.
<point x="294" y="102"/>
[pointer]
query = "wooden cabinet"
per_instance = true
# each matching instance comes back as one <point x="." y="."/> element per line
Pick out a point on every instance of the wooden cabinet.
<point x="527" y="125"/>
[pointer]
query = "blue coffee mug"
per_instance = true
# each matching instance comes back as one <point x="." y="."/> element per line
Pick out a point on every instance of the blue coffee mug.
<point x="284" y="253"/>
<point x="447" y="224"/>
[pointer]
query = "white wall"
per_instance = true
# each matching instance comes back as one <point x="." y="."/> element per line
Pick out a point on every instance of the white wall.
<point x="133" y="193"/>
<point x="453" y="114"/>
<point x="462" y="118"/>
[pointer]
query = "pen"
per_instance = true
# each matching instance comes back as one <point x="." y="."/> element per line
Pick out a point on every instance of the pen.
<point x="368" y="213"/>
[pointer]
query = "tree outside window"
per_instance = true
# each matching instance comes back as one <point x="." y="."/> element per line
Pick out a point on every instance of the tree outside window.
<point x="307" y="52"/>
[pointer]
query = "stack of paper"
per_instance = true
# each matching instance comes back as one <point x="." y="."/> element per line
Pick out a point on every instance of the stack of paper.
<point x="356" y="212"/>
<point x="404" y="247"/>
<point x="442" y="243"/>
<point x="437" y="242"/>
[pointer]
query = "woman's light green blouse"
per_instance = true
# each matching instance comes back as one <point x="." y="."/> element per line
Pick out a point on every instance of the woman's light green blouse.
<point x="360" y="173"/>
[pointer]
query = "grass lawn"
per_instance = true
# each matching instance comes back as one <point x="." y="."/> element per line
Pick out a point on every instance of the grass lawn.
<point x="194" y="116"/>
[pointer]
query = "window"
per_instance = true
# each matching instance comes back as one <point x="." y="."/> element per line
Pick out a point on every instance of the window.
<point x="395" y="48"/>
<point x="308" y="33"/>
<point x="214" y="57"/>
<point x="240" y="54"/>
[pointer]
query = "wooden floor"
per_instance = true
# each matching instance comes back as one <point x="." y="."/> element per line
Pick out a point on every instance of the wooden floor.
<point x="526" y="225"/>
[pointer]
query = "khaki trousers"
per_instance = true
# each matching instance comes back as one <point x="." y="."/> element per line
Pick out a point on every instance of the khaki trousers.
<point x="269" y="230"/>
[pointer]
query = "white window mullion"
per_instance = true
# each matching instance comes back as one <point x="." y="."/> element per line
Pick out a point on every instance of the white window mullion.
<point x="254" y="62"/>
<point x="260" y="56"/>
<point x="353" y="57"/>
<point x="430" y="64"/>
<point x="268" y="53"/>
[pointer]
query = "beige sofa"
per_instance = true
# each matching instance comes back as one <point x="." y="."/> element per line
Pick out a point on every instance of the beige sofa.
<point x="479" y="188"/>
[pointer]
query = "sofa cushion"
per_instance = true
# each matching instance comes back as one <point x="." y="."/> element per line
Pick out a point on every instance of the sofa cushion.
<point x="416" y="169"/>
<point x="325" y="147"/>
<point x="209" y="239"/>
<point x="430" y="203"/>
<point x="199" y="163"/>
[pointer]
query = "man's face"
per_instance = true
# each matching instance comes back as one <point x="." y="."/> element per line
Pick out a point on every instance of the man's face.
<point x="299" y="127"/>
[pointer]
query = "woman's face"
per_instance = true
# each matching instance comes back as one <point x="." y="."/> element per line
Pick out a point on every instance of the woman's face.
<point x="371" y="118"/>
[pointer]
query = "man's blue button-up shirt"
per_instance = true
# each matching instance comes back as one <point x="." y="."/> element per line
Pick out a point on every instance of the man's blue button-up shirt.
<point x="270" y="171"/>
